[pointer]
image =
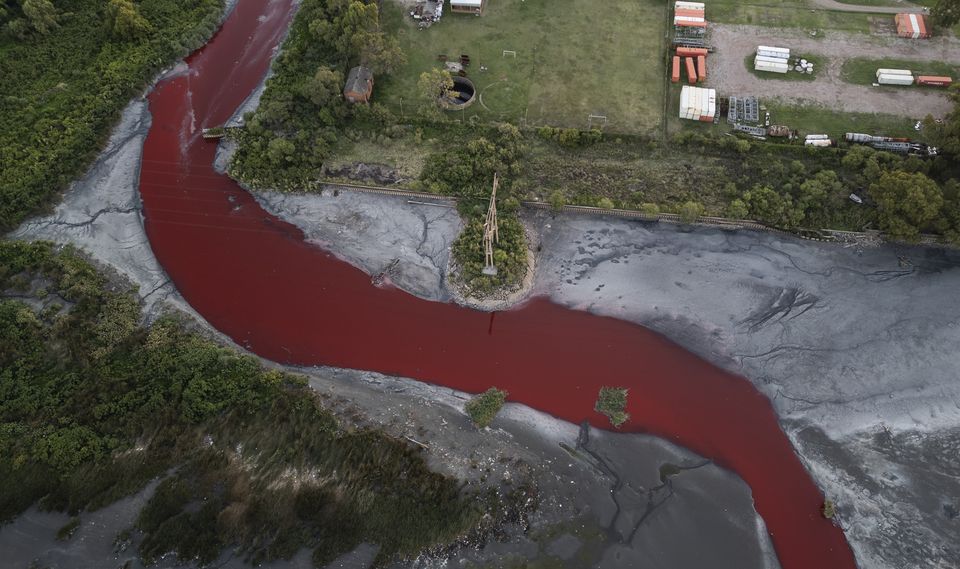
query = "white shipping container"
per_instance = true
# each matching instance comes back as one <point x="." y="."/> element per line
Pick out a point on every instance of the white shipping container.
<point x="893" y="72"/>
<point x="768" y="59"/>
<point x="817" y="137"/>
<point x="697" y="103"/>
<point x="690" y="19"/>
<point x="771" y="67"/>
<point x="773" y="51"/>
<point x="895" y="80"/>
<point x="689" y="5"/>
<point x="823" y="142"/>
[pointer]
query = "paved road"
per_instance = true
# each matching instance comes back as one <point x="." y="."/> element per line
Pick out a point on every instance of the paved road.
<point x="841" y="7"/>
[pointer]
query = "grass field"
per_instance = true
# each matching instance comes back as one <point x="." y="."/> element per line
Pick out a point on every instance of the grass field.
<point x="786" y="14"/>
<point x="880" y="3"/>
<point x="573" y="59"/>
<point x="815" y="119"/>
<point x="862" y="71"/>
<point x="819" y="63"/>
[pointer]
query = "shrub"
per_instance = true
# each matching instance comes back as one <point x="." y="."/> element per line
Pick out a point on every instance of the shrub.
<point x="829" y="509"/>
<point x="690" y="211"/>
<point x="605" y="203"/>
<point x="557" y="200"/>
<point x="612" y="402"/>
<point x="484" y="407"/>
<point x="737" y="209"/>
<point x="650" y="208"/>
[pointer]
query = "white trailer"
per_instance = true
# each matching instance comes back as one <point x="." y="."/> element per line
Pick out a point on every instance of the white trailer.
<point x="882" y="71"/>
<point x="768" y="59"/>
<point x="780" y="52"/>
<point x="895" y="79"/>
<point x="771" y="67"/>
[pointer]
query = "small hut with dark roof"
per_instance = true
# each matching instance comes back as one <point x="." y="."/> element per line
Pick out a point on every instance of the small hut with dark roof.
<point x="359" y="86"/>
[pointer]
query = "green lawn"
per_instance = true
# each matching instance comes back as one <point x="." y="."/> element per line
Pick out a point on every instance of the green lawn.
<point x="863" y="71"/>
<point x="573" y="59"/>
<point x="786" y="14"/>
<point x="880" y="3"/>
<point x="819" y="63"/>
<point x="812" y="119"/>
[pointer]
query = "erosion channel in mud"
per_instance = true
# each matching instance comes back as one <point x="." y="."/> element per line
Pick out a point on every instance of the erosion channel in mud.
<point x="254" y="277"/>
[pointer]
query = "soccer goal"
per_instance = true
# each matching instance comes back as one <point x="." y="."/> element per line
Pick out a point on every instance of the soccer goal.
<point x="598" y="121"/>
<point x="509" y="52"/>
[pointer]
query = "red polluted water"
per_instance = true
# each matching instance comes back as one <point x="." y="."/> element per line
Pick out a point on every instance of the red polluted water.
<point x="253" y="277"/>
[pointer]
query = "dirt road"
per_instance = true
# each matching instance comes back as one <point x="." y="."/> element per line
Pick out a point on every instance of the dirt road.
<point x="730" y="76"/>
<point x="905" y="7"/>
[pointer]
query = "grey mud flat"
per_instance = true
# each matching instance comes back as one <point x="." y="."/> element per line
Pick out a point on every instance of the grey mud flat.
<point x="606" y="500"/>
<point x="855" y="346"/>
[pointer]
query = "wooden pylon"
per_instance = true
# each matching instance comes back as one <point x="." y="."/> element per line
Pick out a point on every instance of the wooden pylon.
<point x="490" y="232"/>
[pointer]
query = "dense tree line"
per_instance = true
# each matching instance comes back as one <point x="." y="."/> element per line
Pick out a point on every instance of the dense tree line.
<point x="946" y="13"/>
<point x="67" y="70"/>
<point x="93" y="405"/>
<point x="904" y="195"/>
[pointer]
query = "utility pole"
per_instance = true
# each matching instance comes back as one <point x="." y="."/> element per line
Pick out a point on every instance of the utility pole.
<point x="490" y="232"/>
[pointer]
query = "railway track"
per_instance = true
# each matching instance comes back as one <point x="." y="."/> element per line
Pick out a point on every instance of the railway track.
<point x="703" y="221"/>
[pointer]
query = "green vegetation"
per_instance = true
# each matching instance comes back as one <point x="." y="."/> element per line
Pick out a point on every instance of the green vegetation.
<point x="819" y="119"/>
<point x="788" y="14"/>
<point x="906" y="203"/>
<point x="819" y="63"/>
<point x="571" y="61"/>
<point x="484" y="407"/>
<point x="945" y="13"/>
<point x="695" y="172"/>
<point x="70" y="528"/>
<point x="93" y="406"/>
<point x="691" y="211"/>
<point x="863" y="71"/>
<point x="302" y="113"/>
<point x="466" y="171"/>
<point x="881" y="3"/>
<point x="66" y="76"/>
<point x="828" y="509"/>
<point x="612" y="402"/>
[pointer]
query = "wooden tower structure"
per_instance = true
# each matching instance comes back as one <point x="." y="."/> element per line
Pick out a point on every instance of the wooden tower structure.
<point x="490" y="233"/>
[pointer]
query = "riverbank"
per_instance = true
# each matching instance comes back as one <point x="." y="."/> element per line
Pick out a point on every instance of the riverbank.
<point x="290" y="297"/>
<point x="850" y="342"/>
<point x="102" y="214"/>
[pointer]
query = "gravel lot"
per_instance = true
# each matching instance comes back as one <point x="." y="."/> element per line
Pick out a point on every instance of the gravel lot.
<point x="728" y="74"/>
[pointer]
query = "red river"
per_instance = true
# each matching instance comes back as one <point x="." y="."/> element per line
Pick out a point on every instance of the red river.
<point x="253" y="277"/>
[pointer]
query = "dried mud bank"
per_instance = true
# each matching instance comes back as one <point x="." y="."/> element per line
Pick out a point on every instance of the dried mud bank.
<point x="607" y="500"/>
<point x="101" y="213"/>
<point x="854" y="346"/>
